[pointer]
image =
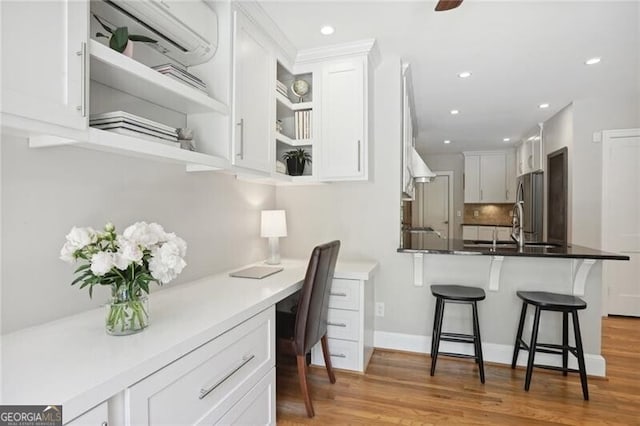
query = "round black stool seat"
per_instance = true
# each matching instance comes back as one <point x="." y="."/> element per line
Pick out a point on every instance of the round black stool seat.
<point x="458" y="292"/>
<point x="552" y="301"/>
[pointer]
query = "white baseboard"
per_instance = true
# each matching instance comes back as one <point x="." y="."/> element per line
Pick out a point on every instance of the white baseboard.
<point x="492" y="352"/>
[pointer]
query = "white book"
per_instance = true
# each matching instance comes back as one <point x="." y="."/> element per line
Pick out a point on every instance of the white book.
<point x="136" y="129"/>
<point x="131" y="117"/>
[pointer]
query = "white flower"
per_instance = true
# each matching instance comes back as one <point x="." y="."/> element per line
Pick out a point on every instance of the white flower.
<point x="79" y="238"/>
<point x="179" y="242"/>
<point x="129" y="250"/>
<point x="145" y="235"/>
<point x="166" y="262"/>
<point x="101" y="263"/>
<point x="66" y="253"/>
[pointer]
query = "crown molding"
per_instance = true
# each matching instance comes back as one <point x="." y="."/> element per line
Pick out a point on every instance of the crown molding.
<point x="367" y="47"/>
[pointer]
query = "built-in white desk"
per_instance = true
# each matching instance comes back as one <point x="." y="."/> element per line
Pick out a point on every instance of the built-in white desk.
<point x="73" y="362"/>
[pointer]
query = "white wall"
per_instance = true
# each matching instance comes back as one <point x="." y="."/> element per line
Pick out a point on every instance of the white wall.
<point x="454" y="163"/>
<point x="47" y="191"/>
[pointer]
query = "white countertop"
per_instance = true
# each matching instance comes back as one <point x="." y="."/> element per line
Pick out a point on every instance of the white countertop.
<point x="73" y="362"/>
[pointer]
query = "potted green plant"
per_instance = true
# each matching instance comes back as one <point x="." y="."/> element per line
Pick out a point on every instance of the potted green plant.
<point x="296" y="159"/>
<point x="120" y="39"/>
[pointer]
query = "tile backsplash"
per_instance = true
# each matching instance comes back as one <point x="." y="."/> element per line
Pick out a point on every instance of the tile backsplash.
<point x="488" y="214"/>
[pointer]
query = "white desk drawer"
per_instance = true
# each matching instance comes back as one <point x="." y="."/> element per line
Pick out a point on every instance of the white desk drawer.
<point x="345" y="294"/>
<point x="208" y="381"/>
<point x="344" y="354"/>
<point x="343" y="324"/>
<point x="258" y="407"/>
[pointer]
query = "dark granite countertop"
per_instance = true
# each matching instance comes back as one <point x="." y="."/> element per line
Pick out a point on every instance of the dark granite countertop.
<point x="508" y="248"/>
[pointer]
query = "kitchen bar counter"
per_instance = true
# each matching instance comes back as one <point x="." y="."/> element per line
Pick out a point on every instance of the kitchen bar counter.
<point x="507" y="248"/>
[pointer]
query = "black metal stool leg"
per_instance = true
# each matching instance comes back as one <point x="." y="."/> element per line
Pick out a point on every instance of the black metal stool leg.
<point x="516" y="346"/>
<point x="434" y="355"/>
<point x="532" y="348"/>
<point x="579" y="350"/>
<point x="478" y="341"/>
<point x="565" y="343"/>
<point x="435" y="323"/>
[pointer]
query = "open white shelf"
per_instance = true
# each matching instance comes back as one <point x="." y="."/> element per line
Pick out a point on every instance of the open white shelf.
<point x="102" y="140"/>
<point x="293" y="106"/>
<point x="284" y="179"/>
<point x="293" y="142"/>
<point x="116" y="70"/>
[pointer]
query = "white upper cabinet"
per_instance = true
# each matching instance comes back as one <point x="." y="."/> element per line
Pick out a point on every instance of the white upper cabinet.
<point x="530" y="152"/>
<point x="511" y="175"/>
<point x="253" y="88"/>
<point x="44" y="61"/>
<point x="485" y="177"/>
<point x="344" y="147"/>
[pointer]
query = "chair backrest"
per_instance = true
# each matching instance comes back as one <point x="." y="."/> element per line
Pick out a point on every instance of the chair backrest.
<point x="313" y="305"/>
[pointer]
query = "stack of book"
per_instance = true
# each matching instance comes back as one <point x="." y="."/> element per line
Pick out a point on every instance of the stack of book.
<point x="182" y="76"/>
<point x="131" y="125"/>
<point x="281" y="88"/>
<point x="303" y="124"/>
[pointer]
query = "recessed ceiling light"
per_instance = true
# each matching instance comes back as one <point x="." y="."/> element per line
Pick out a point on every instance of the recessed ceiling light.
<point x="327" y="30"/>
<point x="592" y="61"/>
<point x="543" y="106"/>
<point x="506" y="140"/>
<point x="455" y="112"/>
<point x="447" y="141"/>
<point x="464" y="74"/>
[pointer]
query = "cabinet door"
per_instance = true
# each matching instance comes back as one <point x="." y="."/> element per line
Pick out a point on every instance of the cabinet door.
<point x="511" y="182"/>
<point x="97" y="416"/>
<point x="44" y="61"/>
<point x="253" y="66"/>
<point x="469" y="232"/>
<point x="257" y="407"/>
<point x="472" y="178"/>
<point x="504" y="234"/>
<point x="344" y="145"/>
<point x="492" y="178"/>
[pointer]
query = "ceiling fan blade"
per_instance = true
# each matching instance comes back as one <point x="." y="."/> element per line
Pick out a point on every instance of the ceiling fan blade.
<point x="447" y="5"/>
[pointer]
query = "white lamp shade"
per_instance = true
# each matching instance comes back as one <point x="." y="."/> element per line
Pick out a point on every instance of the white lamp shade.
<point x="273" y="224"/>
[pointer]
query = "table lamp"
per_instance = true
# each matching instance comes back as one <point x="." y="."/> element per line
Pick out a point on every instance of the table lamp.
<point x="273" y="226"/>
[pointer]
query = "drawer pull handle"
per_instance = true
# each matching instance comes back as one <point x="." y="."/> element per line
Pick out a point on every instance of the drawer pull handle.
<point x="208" y="389"/>
<point x="338" y="355"/>
<point x="337" y="324"/>
<point x="338" y="294"/>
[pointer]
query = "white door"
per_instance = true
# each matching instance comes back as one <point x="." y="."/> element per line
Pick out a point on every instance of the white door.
<point x="254" y="77"/>
<point x="621" y="219"/>
<point x="44" y="63"/>
<point x="343" y="148"/>
<point x="431" y="209"/>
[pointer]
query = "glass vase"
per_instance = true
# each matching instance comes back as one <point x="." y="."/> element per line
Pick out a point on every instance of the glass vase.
<point x="127" y="314"/>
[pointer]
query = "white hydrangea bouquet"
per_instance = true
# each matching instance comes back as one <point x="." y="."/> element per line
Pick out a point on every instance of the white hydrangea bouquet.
<point x="127" y="263"/>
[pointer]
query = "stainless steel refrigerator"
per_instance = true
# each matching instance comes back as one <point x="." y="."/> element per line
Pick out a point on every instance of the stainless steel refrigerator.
<point x="531" y="191"/>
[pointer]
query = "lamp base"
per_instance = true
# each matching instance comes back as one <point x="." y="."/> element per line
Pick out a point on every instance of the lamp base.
<point x="274" y="251"/>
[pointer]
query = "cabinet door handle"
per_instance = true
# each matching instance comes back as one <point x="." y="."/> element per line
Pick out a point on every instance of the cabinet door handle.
<point x="206" y="390"/>
<point x="241" y="153"/>
<point x="338" y="294"/>
<point x="506" y="193"/>
<point x="83" y="76"/>
<point x="359" y="155"/>
<point x="337" y="324"/>
<point x="338" y="355"/>
<point x="481" y="195"/>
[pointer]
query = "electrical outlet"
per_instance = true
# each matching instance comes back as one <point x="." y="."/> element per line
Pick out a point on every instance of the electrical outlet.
<point x="459" y="213"/>
<point x="379" y="309"/>
<point x="476" y="213"/>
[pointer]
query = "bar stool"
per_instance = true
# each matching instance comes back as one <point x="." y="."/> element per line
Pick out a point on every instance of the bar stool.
<point x="544" y="301"/>
<point x="456" y="294"/>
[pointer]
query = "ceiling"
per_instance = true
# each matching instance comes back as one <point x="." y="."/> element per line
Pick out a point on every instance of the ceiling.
<point x="520" y="53"/>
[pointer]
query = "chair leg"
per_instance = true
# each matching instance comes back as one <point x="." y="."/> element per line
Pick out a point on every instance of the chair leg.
<point x="516" y="346"/>
<point x="579" y="350"/>
<point x="565" y="342"/>
<point x="438" y="331"/>
<point x="532" y="348"/>
<point x="327" y="358"/>
<point x="304" y="387"/>
<point x="478" y="341"/>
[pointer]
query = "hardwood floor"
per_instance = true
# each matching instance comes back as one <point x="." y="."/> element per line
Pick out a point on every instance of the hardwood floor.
<point x="397" y="389"/>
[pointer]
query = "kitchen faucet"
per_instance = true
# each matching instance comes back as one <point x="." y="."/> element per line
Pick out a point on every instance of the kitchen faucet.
<point x="517" y="232"/>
